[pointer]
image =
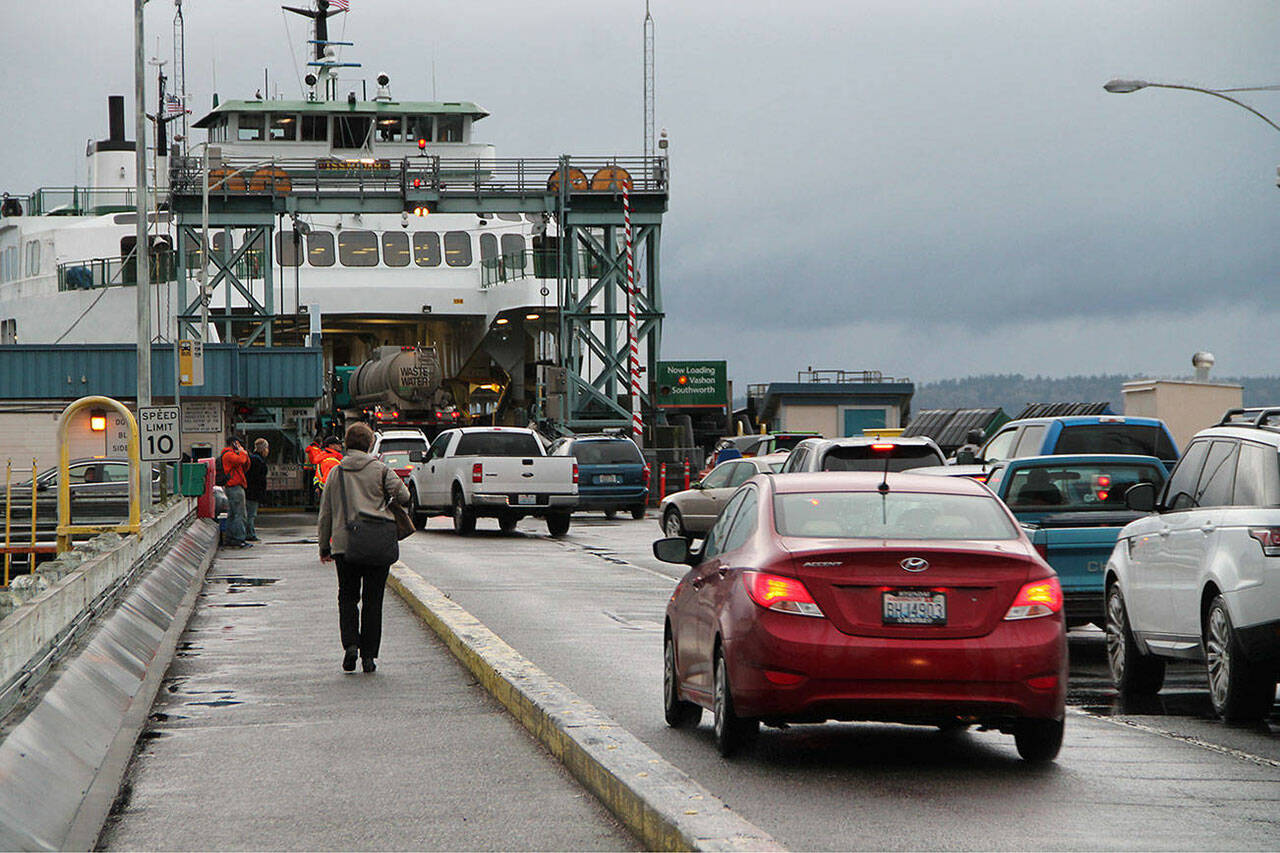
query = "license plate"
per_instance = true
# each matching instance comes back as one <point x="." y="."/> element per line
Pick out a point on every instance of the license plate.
<point x="526" y="500"/>
<point x="914" y="607"/>
<point x="609" y="478"/>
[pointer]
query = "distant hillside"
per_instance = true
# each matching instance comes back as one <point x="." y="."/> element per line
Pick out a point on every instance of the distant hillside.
<point x="1013" y="391"/>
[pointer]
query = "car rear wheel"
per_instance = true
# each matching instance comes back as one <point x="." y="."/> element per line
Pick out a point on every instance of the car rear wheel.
<point x="637" y="512"/>
<point x="673" y="524"/>
<point x="732" y="731"/>
<point x="416" y="512"/>
<point x="1038" y="740"/>
<point x="464" y="518"/>
<point x="610" y="514"/>
<point x="558" y="523"/>
<point x="1132" y="672"/>
<point x="679" y="713"/>
<point x="1240" y="690"/>
<point x="507" y="523"/>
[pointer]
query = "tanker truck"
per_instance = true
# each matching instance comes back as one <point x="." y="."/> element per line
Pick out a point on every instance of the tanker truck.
<point x="397" y="386"/>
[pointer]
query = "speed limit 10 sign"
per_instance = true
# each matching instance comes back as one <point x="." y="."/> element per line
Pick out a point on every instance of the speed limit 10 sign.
<point x="158" y="432"/>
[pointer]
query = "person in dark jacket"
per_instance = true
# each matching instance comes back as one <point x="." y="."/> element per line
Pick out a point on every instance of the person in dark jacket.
<point x="359" y="484"/>
<point x="255" y="490"/>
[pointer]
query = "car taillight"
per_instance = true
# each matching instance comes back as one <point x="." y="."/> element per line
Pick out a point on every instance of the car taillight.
<point x="403" y="472"/>
<point x="1038" y="598"/>
<point x="575" y="473"/>
<point x="477" y="473"/>
<point x="774" y="592"/>
<point x="644" y="477"/>
<point x="1268" y="538"/>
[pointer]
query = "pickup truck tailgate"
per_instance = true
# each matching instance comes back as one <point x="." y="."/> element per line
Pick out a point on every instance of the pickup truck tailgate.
<point x="1078" y="545"/>
<point x="526" y="481"/>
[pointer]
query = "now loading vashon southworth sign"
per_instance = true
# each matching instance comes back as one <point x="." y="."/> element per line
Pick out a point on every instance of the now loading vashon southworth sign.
<point x="691" y="383"/>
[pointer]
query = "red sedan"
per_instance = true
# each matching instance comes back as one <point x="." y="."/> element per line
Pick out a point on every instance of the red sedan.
<point x="861" y="596"/>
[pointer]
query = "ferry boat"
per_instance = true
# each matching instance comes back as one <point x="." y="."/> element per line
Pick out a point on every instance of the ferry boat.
<point x="474" y="293"/>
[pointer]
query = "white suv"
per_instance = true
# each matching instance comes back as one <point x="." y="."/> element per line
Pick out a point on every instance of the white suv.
<point x="1199" y="578"/>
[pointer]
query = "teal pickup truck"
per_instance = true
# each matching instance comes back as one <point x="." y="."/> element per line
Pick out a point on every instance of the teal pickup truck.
<point x="1073" y="508"/>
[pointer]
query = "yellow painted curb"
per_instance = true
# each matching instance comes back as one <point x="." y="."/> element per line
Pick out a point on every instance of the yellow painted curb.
<point x="662" y="805"/>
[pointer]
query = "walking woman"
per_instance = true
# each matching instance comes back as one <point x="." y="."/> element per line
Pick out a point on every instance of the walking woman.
<point x="360" y="485"/>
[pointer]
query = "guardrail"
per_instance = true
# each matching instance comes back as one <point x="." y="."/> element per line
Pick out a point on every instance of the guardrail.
<point x="422" y="175"/>
<point x="94" y="273"/>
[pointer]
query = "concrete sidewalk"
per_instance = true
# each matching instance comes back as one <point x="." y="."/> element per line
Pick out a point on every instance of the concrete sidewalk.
<point x="260" y="741"/>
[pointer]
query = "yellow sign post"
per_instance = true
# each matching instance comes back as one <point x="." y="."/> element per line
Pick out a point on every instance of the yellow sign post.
<point x="65" y="528"/>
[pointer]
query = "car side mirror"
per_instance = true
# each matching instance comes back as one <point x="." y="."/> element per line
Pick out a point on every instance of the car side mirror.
<point x="673" y="549"/>
<point x="965" y="457"/>
<point x="1141" y="497"/>
<point x="415" y="456"/>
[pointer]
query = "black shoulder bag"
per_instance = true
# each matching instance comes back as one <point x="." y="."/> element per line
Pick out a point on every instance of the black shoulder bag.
<point x="371" y="539"/>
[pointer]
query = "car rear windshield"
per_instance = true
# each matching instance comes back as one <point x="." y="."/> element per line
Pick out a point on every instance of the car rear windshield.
<point x="392" y="445"/>
<point x="1071" y="488"/>
<point x="863" y="458"/>
<point x="788" y="442"/>
<point x="894" y="515"/>
<point x="607" y="453"/>
<point x="397" y="459"/>
<point x="1137" y="439"/>
<point x="498" y="444"/>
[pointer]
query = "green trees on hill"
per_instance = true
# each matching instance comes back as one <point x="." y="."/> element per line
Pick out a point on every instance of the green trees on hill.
<point x="1013" y="391"/>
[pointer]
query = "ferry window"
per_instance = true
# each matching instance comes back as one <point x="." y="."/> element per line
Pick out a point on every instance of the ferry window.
<point x="320" y="249"/>
<point x="251" y="127"/>
<point x="420" y="127"/>
<point x="287" y="249"/>
<point x="395" y="249"/>
<point x="33" y="258"/>
<point x="488" y="247"/>
<point x="512" y="244"/>
<point x="351" y="131"/>
<point x="391" y="129"/>
<point x="450" y="128"/>
<point x="511" y="217"/>
<point x="284" y="128"/>
<point x="457" y="248"/>
<point x="218" y="130"/>
<point x="315" y="128"/>
<point x="426" y="248"/>
<point x="218" y="245"/>
<point x="9" y="332"/>
<point x="358" y="248"/>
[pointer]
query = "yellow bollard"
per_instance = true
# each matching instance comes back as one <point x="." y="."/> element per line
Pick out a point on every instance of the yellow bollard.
<point x="8" y="514"/>
<point x="31" y="560"/>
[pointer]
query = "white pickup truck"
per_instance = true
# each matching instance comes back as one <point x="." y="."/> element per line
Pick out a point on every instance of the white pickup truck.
<point x="492" y="472"/>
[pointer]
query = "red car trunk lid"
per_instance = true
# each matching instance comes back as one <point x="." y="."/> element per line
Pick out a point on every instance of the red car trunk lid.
<point x="955" y="591"/>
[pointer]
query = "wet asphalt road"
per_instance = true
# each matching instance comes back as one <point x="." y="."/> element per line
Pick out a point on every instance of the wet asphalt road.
<point x="260" y="742"/>
<point x="588" y="609"/>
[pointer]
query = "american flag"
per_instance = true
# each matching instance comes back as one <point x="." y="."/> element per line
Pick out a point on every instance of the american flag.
<point x="344" y="5"/>
<point x="173" y="106"/>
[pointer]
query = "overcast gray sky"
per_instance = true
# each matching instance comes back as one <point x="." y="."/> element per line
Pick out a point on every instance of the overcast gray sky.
<point x="932" y="189"/>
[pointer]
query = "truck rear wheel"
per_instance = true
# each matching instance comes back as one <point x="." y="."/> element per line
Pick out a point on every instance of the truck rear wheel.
<point x="464" y="518"/>
<point x="558" y="523"/>
<point x="507" y="522"/>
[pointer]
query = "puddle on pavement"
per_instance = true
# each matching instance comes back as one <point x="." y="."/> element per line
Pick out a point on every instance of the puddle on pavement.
<point x="242" y="604"/>
<point x="216" y="703"/>
<point x="241" y="580"/>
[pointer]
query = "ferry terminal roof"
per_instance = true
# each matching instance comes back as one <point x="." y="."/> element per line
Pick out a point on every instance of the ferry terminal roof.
<point x="466" y="108"/>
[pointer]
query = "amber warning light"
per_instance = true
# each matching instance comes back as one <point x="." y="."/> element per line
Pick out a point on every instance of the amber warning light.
<point x="683" y="380"/>
<point x="98" y="420"/>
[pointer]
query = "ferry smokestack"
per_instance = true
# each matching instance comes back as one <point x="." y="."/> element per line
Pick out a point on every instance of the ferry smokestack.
<point x="115" y="115"/>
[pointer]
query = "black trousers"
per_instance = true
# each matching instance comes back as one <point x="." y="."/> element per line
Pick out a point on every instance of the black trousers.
<point x="360" y="589"/>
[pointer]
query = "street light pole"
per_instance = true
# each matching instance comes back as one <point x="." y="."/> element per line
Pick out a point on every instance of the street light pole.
<point x="1124" y="87"/>
<point x="142" y="249"/>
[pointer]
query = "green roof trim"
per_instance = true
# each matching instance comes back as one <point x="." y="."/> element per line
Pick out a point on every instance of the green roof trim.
<point x="466" y="108"/>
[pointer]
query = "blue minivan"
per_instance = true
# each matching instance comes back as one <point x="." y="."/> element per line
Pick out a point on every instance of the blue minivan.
<point x="612" y="474"/>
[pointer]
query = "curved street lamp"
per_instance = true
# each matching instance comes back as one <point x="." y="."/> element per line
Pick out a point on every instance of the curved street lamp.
<point x="1124" y="87"/>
